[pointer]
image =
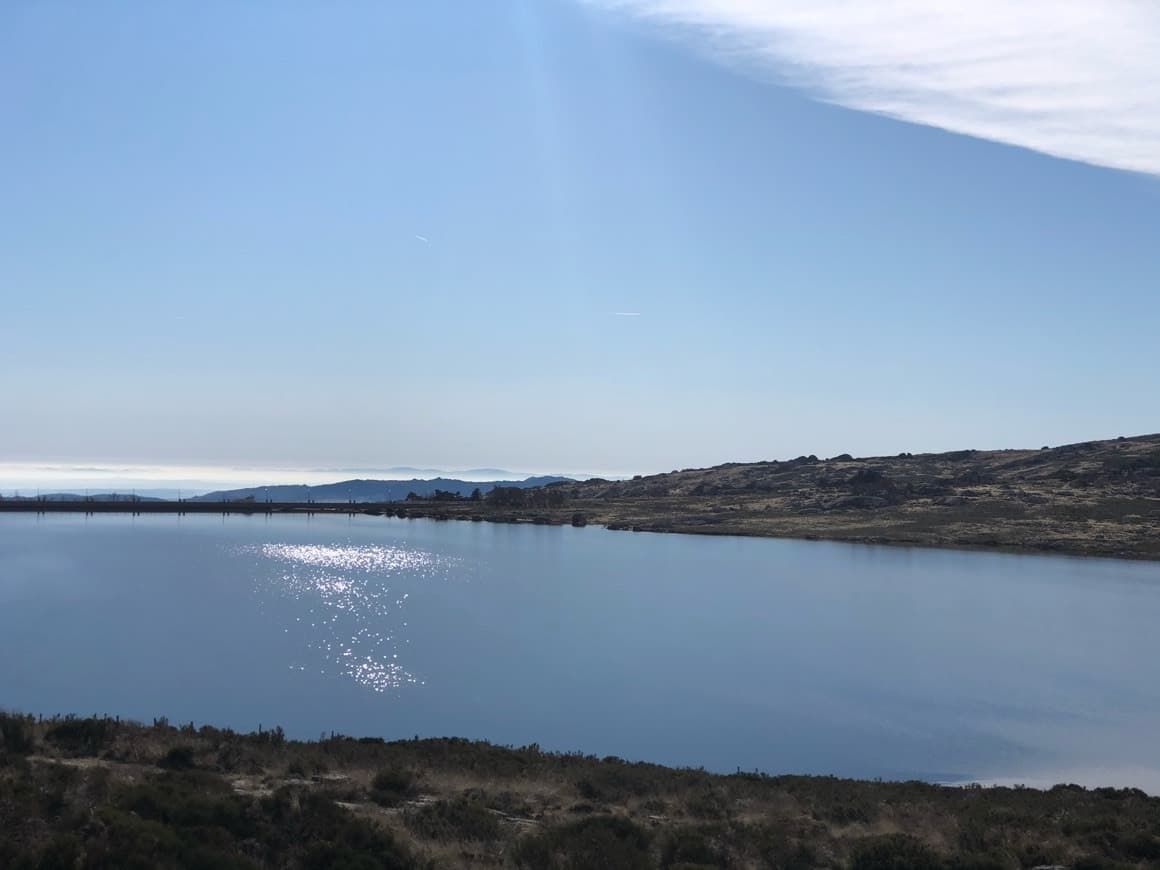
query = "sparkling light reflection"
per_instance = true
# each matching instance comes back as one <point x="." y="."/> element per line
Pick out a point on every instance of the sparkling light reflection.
<point x="352" y="606"/>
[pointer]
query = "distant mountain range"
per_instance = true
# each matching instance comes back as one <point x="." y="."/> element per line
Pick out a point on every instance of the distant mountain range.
<point x="369" y="490"/>
<point x="409" y="472"/>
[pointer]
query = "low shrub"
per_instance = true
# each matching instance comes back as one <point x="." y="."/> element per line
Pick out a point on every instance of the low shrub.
<point x="689" y="846"/>
<point x="391" y="786"/>
<point x="83" y="737"/>
<point x="451" y="820"/>
<point x="895" y="852"/>
<point x="15" y="735"/>
<point x="177" y="758"/>
<point x="609" y="842"/>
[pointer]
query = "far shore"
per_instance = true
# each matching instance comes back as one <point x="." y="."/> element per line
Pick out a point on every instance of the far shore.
<point x="595" y="514"/>
<point x="1096" y="498"/>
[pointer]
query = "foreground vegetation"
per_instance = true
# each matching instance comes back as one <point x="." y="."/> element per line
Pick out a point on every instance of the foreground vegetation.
<point x="101" y="793"/>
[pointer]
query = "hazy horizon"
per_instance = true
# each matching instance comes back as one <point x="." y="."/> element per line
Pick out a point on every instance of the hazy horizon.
<point x="199" y="479"/>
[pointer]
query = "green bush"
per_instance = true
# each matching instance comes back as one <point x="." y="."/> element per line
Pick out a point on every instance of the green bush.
<point x="609" y="842"/>
<point x="894" y="852"/>
<point x="1096" y="862"/>
<point x="177" y="758"/>
<point x="15" y="735"/>
<point x="391" y="786"/>
<point x="687" y="847"/>
<point x="708" y="803"/>
<point x="80" y="736"/>
<point x="849" y="812"/>
<point x="189" y="800"/>
<point x="615" y="781"/>
<point x="1139" y="846"/>
<point x="62" y="853"/>
<point x="984" y="861"/>
<point x="450" y="820"/>
<point x="777" y="846"/>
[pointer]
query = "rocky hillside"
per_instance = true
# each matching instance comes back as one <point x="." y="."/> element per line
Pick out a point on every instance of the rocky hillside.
<point x="1097" y="497"/>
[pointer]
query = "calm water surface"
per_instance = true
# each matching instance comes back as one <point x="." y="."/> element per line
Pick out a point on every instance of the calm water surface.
<point x="784" y="656"/>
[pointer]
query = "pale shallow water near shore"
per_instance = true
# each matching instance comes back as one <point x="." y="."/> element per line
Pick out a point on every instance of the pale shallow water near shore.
<point x="783" y="656"/>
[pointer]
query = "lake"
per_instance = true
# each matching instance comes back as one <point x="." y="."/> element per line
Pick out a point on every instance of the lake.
<point x="782" y="656"/>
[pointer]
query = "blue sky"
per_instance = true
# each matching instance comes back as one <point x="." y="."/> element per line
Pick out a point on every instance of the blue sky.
<point x="305" y="235"/>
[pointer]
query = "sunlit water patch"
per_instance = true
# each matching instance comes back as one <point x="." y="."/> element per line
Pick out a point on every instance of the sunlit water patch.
<point x="355" y="599"/>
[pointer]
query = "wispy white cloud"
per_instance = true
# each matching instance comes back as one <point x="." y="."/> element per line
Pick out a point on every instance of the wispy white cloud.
<point x="422" y="239"/>
<point x="626" y="313"/>
<point x="1078" y="79"/>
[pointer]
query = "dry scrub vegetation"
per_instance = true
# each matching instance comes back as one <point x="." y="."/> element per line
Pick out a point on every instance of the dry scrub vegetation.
<point x="100" y="793"/>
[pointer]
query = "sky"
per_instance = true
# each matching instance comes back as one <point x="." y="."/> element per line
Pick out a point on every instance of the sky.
<point x="262" y="241"/>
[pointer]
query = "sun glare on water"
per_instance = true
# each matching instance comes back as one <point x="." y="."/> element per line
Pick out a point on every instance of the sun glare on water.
<point x="353" y="609"/>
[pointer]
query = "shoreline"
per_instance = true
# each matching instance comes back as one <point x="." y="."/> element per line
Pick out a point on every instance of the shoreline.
<point x="466" y="512"/>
